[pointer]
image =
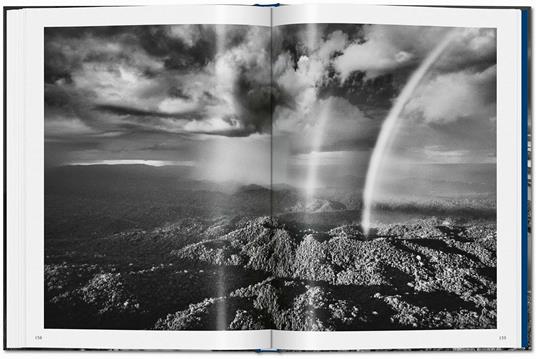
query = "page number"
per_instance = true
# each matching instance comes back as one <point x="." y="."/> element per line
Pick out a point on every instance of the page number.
<point x="502" y="337"/>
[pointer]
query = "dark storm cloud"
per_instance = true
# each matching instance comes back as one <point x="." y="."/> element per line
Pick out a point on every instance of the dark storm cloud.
<point x="254" y="103"/>
<point x="364" y="92"/>
<point x="179" y="93"/>
<point x="106" y="82"/>
<point x="158" y="42"/>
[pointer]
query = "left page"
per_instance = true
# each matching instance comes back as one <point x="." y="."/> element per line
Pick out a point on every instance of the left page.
<point x="151" y="135"/>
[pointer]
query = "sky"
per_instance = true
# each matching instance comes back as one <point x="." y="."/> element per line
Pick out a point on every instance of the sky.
<point x="190" y="95"/>
<point x="340" y="80"/>
<point x="202" y="96"/>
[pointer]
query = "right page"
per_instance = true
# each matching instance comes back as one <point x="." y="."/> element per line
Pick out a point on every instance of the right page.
<point x="386" y="169"/>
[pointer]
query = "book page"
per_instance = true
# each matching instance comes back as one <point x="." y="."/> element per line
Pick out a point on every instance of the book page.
<point x="387" y="167"/>
<point x="149" y="136"/>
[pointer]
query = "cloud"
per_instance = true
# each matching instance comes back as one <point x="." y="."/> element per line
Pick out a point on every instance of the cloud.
<point x="370" y="65"/>
<point x="341" y="80"/>
<point x="456" y="96"/>
<point x="475" y="49"/>
<point x="170" y="89"/>
<point x="149" y="76"/>
<point x="188" y="34"/>
<point x="388" y="48"/>
<point x="300" y="81"/>
<point x="339" y="125"/>
<point x="148" y="92"/>
<point x="217" y="125"/>
<point x="385" y="48"/>
<point x="373" y="57"/>
<point x="64" y="126"/>
<point x="309" y="69"/>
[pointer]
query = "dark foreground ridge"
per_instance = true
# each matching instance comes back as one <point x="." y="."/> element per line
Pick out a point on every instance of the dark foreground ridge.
<point x="258" y="273"/>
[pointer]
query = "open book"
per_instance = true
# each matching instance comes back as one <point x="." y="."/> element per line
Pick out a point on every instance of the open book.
<point x="328" y="177"/>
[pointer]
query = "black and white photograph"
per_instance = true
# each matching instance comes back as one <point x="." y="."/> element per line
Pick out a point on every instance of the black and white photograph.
<point x="304" y="177"/>
<point x="157" y="138"/>
<point x="384" y="174"/>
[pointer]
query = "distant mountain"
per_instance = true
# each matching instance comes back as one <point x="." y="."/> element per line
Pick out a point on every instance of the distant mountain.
<point x="317" y="205"/>
<point x="253" y="188"/>
<point x="253" y="194"/>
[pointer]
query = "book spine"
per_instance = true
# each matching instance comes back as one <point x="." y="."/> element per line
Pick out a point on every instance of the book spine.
<point x="525" y="176"/>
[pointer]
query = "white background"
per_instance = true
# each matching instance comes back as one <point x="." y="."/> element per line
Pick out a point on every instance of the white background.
<point x="55" y="354"/>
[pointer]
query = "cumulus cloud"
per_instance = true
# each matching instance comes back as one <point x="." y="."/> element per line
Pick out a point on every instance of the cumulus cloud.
<point x="188" y="34"/>
<point x="352" y="74"/>
<point x="456" y="96"/>
<point x="387" y="48"/>
<point x="384" y="48"/>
